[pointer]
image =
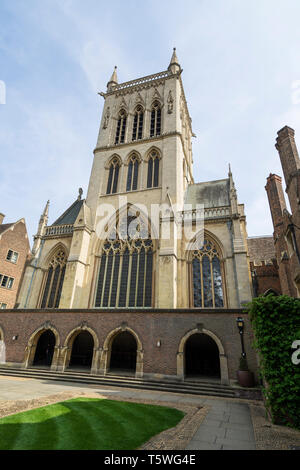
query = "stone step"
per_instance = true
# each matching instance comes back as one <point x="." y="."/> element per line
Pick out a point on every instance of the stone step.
<point x="118" y="381"/>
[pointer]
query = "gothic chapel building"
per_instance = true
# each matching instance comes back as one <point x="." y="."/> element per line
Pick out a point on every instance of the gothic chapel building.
<point x="111" y="290"/>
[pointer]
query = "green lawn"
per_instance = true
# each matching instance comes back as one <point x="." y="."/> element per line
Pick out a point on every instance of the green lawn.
<point x="86" y="424"/>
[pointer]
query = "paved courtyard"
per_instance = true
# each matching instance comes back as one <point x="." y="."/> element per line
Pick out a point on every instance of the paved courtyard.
<point x="227" y="425"/>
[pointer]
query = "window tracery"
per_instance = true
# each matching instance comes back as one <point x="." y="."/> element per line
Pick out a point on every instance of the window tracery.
<point x="153" y="170"/>
<point x="155" y="124"/>
<point x="121" y="127"/>
<point x="207" y="276"/>
<point x="133" y="171"/>
<point x="54" y="280"/>
<point x="113" y="176"/>
<point x="138" y="121"/>
<point x="126" y="265"/>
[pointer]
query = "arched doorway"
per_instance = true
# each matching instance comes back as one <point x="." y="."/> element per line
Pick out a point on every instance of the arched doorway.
<point x="202" y="357"/>
<point x="44" y="349"/>
<point x="82" y="351"/>
<point x="123" y="353"/>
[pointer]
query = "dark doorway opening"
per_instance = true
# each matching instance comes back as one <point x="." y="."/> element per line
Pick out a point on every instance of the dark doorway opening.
<point x="82" y="351"/>
<point x="123" y="352"/>
<point x="202" y="357"/>
<point x="44" y="349"/>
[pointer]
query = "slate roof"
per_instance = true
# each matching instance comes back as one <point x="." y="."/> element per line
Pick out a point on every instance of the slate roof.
<point x="211" y="194"/>
<point x="4" y="227"/>
<point x="70" y="215"/>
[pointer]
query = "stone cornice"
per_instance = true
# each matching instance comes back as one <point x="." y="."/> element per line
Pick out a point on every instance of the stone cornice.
<point x="142" y="310"/>
<point x="140" y="83"/>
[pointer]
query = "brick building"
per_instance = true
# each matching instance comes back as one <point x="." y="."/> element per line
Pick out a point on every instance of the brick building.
<point x="286" y="224"/>
<point x="263" y="265"/>
<point x="14" y="252"/>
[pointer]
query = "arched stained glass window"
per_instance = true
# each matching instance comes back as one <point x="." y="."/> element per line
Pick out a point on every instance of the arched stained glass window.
<point x="121" y="127"/>
<point x="113" y="176"/>
<point x="126" y="265"/>
<point x="138" y="121"/>
<point x="133" y="171"/>
<point x="155" y="123"/>
<point x="153" y="170"/>
<point x="54" y="280"/>
<point x="207" y="277"/>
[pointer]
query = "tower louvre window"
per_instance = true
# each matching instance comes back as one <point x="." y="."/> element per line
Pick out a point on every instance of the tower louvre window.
<point x="113" y="176"/>
<point x="133" y="170"/>
<point x="207" y="277"/>
<point x="155" y="124"/>
<point x="137" y="130"/>
<point x="126" y="265"/>
<point x="153" y="170"/>
<point x="121" y="127"/>
<point x="54" y="280"/>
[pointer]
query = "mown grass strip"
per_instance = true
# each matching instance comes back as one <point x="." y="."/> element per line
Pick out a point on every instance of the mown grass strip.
<point x="86" y="424"/>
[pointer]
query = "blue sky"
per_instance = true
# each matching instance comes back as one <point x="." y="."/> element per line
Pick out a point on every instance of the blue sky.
<point x="240" y="63"/>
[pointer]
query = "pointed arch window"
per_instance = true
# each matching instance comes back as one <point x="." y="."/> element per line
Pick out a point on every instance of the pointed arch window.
<point x="126" y="265"/>
<point x="138" y="121"/>
<point x="54" y="279"/>
<point x="133" y="172"/>
<point x="121" y="127"/>
<point x="155" y="124"/>
<point x="207" y="276"/>
<point x="153" y="170"/>
<point x="113" y="176"/>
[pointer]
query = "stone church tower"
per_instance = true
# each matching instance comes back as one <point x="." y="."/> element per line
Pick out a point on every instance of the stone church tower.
<point x="148" y="274"/>
<point x="142" y="179"/>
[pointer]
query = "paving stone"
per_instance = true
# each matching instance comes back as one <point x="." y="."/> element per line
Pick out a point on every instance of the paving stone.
<point x="235" y="444"/>
<point x="212" y="422"/>
<point x="244" y="446"/>
<point x="236" y="419"/>
<point x="241" y="435"/>
<point x="208" y="433"/>
<point x="203" y="446"/>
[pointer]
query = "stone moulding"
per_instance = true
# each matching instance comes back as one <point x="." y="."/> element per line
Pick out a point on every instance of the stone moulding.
<point x="142" y="310"/>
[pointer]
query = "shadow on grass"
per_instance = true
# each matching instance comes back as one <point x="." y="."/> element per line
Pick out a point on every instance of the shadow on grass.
<point x="86" y="424"/>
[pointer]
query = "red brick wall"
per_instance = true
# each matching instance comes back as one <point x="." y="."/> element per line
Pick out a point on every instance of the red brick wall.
<point x="16" y="240"/>
<point x="170" y="328"/>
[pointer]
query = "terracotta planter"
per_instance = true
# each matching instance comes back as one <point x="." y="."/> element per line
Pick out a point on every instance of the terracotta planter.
<point x="245" y="378"/>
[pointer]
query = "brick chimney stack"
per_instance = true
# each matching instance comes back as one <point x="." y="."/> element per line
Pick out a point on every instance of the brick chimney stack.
<point x="290" y="162"/>
<point x="276" y="199"/>
<point x="1" y="217"/>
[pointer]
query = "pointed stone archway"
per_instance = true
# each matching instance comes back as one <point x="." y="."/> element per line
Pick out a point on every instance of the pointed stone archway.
<point x="223" y="365"/>
<point x="36" y="340"/>
<point x="84" y="341"/>
<point x="110" y="352"/>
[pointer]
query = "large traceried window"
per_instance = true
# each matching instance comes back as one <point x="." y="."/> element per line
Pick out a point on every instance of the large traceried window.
<point x="121" y="127"/>
<point x="137" y="130"/>
<point x="155" y="124"/>
<point x="207" y="276"/>
<point x="113" y="176"/>
<point x="126" y="265"/>
<point x="133" y="172"/>
<point x="153" y="170"/>
<point x="54" y="280"/>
